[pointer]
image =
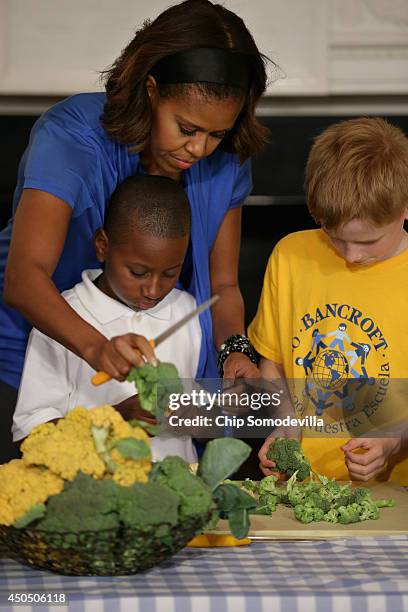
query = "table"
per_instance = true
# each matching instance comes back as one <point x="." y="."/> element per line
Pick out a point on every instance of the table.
<point x="353" y="575"/>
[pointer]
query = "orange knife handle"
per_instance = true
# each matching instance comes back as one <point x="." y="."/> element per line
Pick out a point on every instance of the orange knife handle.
<point x="102" y="377"/>
<point x="99" y="378"/>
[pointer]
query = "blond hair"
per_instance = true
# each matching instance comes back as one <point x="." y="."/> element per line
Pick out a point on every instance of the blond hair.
<point x="358" y="169"/>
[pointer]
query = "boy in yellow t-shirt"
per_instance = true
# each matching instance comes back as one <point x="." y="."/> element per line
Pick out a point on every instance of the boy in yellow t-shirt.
<point x="332" y="315"/>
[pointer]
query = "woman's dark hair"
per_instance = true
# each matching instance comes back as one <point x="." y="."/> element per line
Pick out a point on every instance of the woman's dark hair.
<point x="127" y="115"/>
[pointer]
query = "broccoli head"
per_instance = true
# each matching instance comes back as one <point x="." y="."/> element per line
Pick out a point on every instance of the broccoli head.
<point x="194" y="495"/>
<point x="85" y="504"/>
<point x="143" y="505"/>
<point x="288" y="457"/>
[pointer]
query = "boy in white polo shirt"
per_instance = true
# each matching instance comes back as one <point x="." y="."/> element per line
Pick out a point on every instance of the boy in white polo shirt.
<point x="142" y="248"/>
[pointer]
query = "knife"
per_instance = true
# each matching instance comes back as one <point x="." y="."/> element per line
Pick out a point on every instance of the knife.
<point x="101" y="377"/>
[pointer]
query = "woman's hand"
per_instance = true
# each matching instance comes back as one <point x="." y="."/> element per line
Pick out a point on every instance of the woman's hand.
<point x="238" y="365"/>
<point x="130" y="409"/>
<point x="119" y="354"/>
<point x="365" y="466"/>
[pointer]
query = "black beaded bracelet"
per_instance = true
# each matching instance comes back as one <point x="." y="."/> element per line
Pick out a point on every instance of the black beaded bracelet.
<point x="235" y="344"/>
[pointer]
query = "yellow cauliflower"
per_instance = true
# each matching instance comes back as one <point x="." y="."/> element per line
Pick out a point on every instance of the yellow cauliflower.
<point x="127" y="471"/>
<point x="22" y="486"/>
<point x="66" y="447"/>
<point x="84" y="441"/>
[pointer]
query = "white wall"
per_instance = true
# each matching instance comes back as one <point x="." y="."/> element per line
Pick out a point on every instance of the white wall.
<point x="58" y="47"/>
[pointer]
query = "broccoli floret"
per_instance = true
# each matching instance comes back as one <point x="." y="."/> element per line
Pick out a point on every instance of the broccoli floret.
<point x="330" y="490"/>
<point x="268" y="485"/>
<point x="85" y="504"/>
<point x="318" y="501"/>
<point x="332" y="516"/>
<point x="307" y="513"/>
<point x="349" y="514"/>
<point x="267" y="504"/>
<point x="361" y="493"/>
<point x="289" y="458"/>
<point x="297" y="495"/>
<point x="368" y="510"/>
<point x="250" y="486"/>
<point x="194" y="495"/>
<point x="343" y="500"/>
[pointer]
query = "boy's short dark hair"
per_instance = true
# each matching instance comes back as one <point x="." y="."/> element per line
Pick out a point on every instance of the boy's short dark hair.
<point x="358" y="169"/>
<point x="150" y="204"/>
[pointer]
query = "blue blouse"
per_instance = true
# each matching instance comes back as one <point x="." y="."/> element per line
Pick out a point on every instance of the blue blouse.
<point x="71" y="156"/>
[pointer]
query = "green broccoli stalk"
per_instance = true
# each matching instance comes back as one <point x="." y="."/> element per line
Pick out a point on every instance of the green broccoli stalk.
<point x="220" y="460"/>
<point x="384" y="503"/>
<point x="288" y="457"/>
<point x="100" y="436"/>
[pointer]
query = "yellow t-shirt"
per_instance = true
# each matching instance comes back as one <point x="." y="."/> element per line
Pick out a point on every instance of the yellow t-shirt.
<point x="341" y="334"/>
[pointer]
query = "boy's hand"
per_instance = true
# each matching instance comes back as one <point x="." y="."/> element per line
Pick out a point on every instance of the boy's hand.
<point x="119" y="354"/>
<point x="266" y="465"/>
<point x="130" y="409"/>
<point x="364" y="466"/>
<point x="238" y="365"/>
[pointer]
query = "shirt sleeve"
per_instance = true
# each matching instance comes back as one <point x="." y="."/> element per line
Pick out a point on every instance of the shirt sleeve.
<point x="242" y="185"/>
<point x="61" y="160"/>
<point x="264" y="329"/>
<point x="44" y="389"/>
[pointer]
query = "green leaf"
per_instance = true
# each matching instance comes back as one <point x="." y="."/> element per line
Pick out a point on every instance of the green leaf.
<point x="152" y="430"/>
<point x="238" y="521"/>
<point x="229" y="498"/>
<point x="222" y="458"/>
<point x="130" y="448"/>
<point x="35" y="512"/>
<point x="212" y="523"/>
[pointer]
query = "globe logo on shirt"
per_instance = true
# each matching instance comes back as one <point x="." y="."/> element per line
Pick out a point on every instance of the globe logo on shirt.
<point x="330" y="369"/>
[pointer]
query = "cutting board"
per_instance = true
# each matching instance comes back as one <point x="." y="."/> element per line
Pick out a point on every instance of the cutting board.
<point x="282" y="525"/>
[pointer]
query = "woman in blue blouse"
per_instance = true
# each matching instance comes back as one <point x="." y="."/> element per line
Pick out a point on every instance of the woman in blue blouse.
<point x="180" y="102"/>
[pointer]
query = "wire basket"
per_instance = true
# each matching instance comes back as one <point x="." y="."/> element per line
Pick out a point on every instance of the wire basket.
<point x="110" y="552"/>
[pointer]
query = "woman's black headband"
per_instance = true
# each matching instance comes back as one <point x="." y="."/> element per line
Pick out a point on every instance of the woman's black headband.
<point x="204" y="64"/>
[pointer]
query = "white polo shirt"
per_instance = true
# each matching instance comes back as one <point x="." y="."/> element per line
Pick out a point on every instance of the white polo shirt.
<point x="55" y="381"/>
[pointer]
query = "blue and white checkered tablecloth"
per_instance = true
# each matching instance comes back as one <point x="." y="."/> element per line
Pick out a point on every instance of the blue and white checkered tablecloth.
<point x="351" y="575"/>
